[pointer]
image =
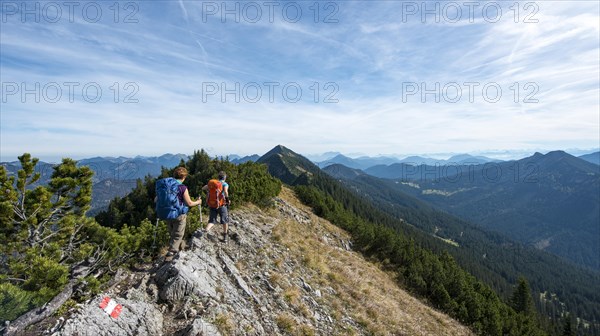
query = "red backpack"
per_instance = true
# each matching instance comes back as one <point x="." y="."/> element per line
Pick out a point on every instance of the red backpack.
<point x="215" y="198"/>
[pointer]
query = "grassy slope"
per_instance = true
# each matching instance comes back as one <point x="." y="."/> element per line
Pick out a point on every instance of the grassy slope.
<point x="362" y="289"/>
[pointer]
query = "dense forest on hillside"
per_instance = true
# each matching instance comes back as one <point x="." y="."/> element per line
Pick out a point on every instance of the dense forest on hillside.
<point x="436" y="277"/>
<point x="550" y="201"/>
<point x="502" y="256"/>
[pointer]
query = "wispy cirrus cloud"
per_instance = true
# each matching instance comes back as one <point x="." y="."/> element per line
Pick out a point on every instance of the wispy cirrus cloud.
<point x="367" y="61"/>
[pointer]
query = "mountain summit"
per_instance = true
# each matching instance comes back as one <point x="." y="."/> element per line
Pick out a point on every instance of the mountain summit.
<point x="288" y="166"/>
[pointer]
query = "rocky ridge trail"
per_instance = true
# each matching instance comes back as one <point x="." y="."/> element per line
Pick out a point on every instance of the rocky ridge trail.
<point x="283" y="272"/>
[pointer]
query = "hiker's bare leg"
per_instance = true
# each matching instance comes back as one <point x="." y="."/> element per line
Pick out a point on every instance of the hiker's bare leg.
<point x="212" y="218"/>
<point x="225" y="219"/>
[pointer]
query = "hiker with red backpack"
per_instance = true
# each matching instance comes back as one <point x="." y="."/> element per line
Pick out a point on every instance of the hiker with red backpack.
<point x="172" y="205"/>
<point x="218" y="201"/>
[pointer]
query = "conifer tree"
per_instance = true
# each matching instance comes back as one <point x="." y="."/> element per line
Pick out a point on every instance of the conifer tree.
<point x="568" y="328"/>
<point x="46" y="237"/>
<point x="521" y="300"/>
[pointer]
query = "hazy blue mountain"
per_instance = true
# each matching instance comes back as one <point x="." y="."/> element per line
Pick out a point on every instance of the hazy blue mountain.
<point x="458" y="159"/>
<point x="112" y="159"/>
<point x="393" y="171"/>
<point x="340" y="159"/>
<point x="45" y="169"/>
<point x="370" y="161"/>
<point x="420" y="168"/>
<point x="592" y="157"/>
<point x="117" y="177"/>
<point x="549" y="201"/>
<point x="247" y="158"/>
<point x="367" y="162"/>
<point x="106" y="190"/>
<point x="419" y="160"/>
<point x="113" y="176"/>
<point x="130" y="169"/>
<point x="469" y="159"/>
<point x="362" y="162"/>
<point x="343" y="172"/>
<point x="411" y="172"/>
<point x="321" y="157"/>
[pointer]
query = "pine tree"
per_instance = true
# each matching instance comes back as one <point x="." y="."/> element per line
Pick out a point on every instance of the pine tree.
<point x="45" y="234"/>
<point x="521" y="300"/>
<point x="568" y="328"/>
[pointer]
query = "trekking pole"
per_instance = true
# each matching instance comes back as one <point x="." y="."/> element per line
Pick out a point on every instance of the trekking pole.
<point x="200" y="209"/>
<point x="155" y="230"/>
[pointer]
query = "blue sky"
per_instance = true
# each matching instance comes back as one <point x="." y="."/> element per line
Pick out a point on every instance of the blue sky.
<point x="375" y="77"/>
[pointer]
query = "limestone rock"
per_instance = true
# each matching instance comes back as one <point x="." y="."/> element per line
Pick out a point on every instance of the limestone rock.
<point x="137" y="318"/>
<point x="200" y="328"/>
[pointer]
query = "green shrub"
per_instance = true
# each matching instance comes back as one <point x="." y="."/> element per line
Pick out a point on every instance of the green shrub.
<point x="13" y="301"/>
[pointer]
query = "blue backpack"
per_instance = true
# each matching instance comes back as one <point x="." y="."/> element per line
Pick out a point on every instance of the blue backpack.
<point x="168" y="205"/>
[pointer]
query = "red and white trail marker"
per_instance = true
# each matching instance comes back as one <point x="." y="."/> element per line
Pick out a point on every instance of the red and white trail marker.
<point x="111" y="307"/>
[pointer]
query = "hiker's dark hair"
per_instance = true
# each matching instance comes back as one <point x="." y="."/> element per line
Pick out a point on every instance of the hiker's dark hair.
<point x="222" y="175"/>
<point x="180" y="173"/>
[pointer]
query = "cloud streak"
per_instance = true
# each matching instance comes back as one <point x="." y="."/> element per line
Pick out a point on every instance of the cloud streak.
<point x="366" y="61"/>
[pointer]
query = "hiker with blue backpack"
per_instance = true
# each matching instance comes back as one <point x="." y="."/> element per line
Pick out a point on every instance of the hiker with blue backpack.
<point x="218" y="202"/>
<point x="172" y="205"/>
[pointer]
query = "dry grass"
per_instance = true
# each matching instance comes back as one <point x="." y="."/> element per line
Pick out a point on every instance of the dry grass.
<point x="286" y="323"/>
<point x="362" y="291"/>
<point x="291" y="295"/>
<point x="276" y="279"/>
<point x="290" y="326"/>
<point x="224" y="324"/>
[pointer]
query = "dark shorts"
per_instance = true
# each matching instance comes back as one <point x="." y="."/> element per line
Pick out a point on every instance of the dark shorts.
<point x="221" y="212"/>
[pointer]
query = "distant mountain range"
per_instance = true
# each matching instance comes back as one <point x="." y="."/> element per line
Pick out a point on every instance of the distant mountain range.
<point x="116" y="176"/>
<point x="130" y="169"/>
<point x="113" y="176"/>
<point x="593" y="157"/>
<point x="488" y="254"/>
<point x="454" y="160"/>
<point x="321" y="157"/>
<point x="359" y="163"/>
<point x="549" y="201"/>
<point x="367" y="162"/>
<point x="238" y="160"/>
<point x="379" y="163"/>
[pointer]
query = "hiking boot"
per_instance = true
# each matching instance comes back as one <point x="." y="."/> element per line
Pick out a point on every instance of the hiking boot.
<point x="169" y="256"/>
<point x="210" y="236"/>
<point x="225" y="237"/>
<point x="200" y="233"/>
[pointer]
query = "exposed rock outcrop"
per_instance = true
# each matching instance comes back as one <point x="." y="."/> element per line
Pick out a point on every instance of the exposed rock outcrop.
<point x="138" y="318"/>
<point x="284" y="271"/>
